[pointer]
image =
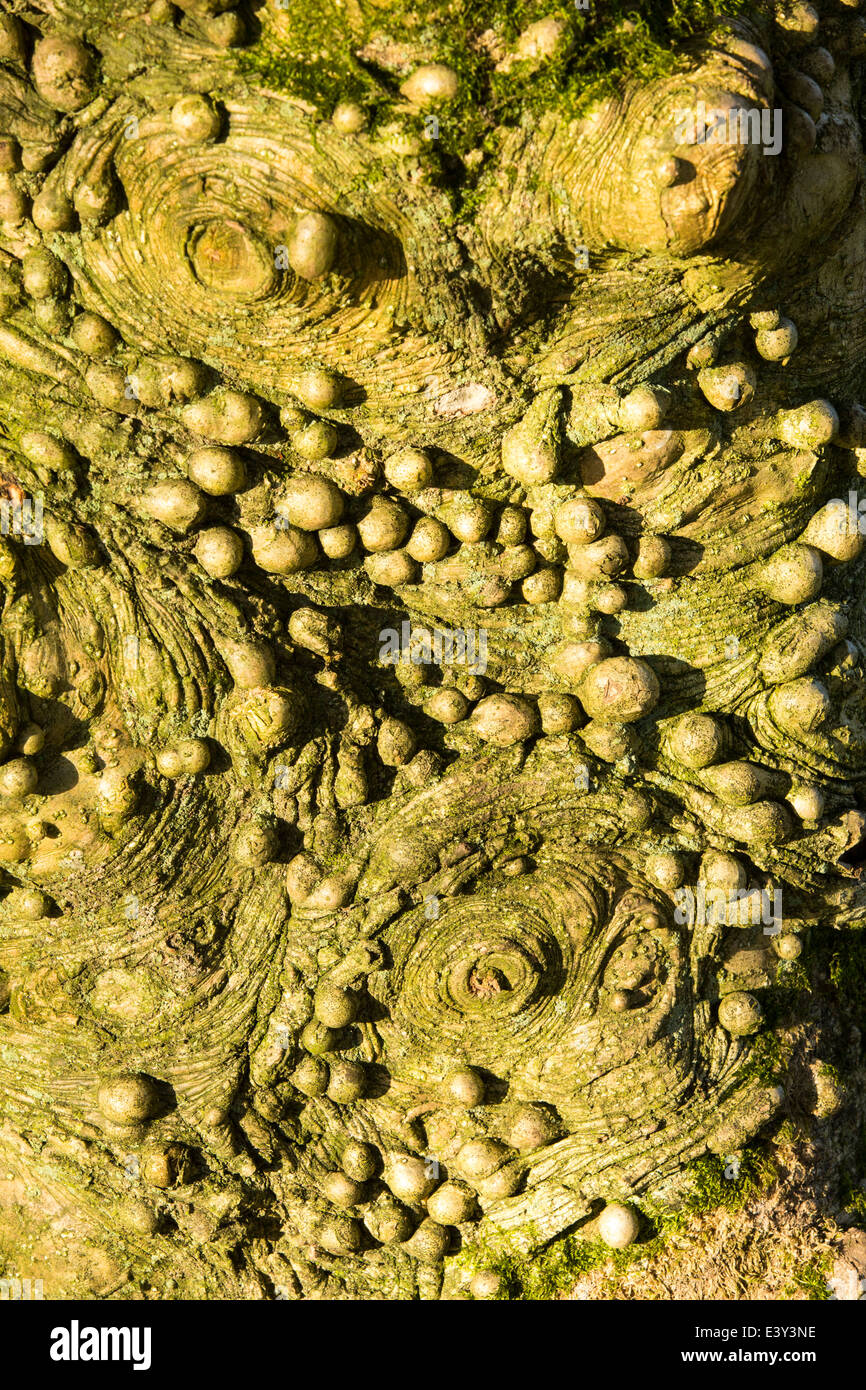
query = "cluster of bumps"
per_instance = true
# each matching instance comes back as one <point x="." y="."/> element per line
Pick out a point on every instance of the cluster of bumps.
<point x="280" y="515"/>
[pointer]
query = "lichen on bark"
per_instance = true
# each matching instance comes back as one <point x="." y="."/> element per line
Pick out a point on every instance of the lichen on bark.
<point x="431" y="678"/>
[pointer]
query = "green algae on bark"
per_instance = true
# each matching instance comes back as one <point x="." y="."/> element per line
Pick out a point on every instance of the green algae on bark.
<point x="442" y="588"/>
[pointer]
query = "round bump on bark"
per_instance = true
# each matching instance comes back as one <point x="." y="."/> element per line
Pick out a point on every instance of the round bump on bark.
<point x="13" y="200"/>
<point x="609" y="599"/>
<point x="347" y="1081"/>
<point x="485" y="1284"/>
<point x="43" y="275"/>
<point x="18" y="778"/>
<point x="64" y="73"/>
<point x="452" y="1204"/>
<point x="447" y="705"/>
<point x="667" y="871"/>
<point x="468" y="518"/>
<point x="315" y="631"/>
<point x="505" y="1182"/>
<point x="93" y="335"/>
<point x="776" y="344"/>
<point x="601" y="559"/>
<point x="480" y="1158"/>
<point x="348" y="117"/>
<point x="836" y="531"/>
<point x="463" y="1086"/>
<point x="339" y="1235"/>
<point x="318" y="389"/>
<point x="47" y="451"/>
<point x="511" y="529"/>
<point x="723" y="871"/>
<point x="388" y="1221"/>
<point x="429" y="1243"/>
<point x="395" y="743"/>
<point x="763" y="823"/>
<point x="430" y="541"/>
<point x="431" y="83"/>
<point x="342" y="1190"/>
<point x="286" y="550"/>
<point x="226" y="416"/>
<point x="218" y="472"/>
<point x="255" y="845"/>
<point x="29" y="903"/>
<point x="805" y="91"/>
<point x="219" y="551"/>
<point x="740" y="1014"/>
<point x="266" y="717"/>
<point x="310" y="1077"/>
<point x="728" y="387"/>
<point x="794" y="574"/>
<point x="312" y="248"/>
<point x="544" y="586"/>
<point x="384" y="526"/>
<point x="317" y="1039"/>
<point x="52" y="211"/>
<point x="531" y="449"/>
<point x="642" y="409"/>
<point x="14" y="842"/>
<point x="335" y="1005"/>
<point x="409" y="470"/>
<point x="618" y="1225"/>
<point x="531" y="1127"/>
<point x="178" y="505"/>
<point x="798" y="22"/>
<point x="360" y="1161"/>
<point x="799" y="706"/>
<point x="195" y="120"/>
<point x="619" y="690"/>
<point x="504" y="720"/>
<point x="129" y="1099"/>
<point x="653" y="558"/>
<point x="410" y="1179"/>
<point x="819" y="64"/>
<point x="116" y="795"/>
<point x="311" y="503"/>
<point x="763" y="320"/>
<point x="808" y="426"/>
<point x="187" y="758"/>
<point x="559" y="714"/>
<point x="579" y="521"/>
<point x="788" y="946"/>
<point x="391" y="569"/>
<point x="807" y="801"/>
<point x="317" y="440"/>
<point x="338" y="542"/>
<point x="570" y="660"/>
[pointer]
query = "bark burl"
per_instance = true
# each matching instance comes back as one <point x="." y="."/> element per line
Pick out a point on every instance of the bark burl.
<point x="432" y="694"/>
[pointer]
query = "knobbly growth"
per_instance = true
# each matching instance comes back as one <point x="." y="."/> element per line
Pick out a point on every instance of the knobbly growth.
<point x="422" y="457"/>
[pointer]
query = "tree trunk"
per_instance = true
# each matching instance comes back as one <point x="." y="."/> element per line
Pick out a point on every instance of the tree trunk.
<point x="432" y="698"/>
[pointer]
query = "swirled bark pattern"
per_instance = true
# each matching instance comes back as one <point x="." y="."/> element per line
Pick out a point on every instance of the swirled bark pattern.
<point x="431" y="681"/>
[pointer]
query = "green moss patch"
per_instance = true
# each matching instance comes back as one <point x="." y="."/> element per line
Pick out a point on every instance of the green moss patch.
<point x="318" y="57"/>
<point x="710" y="1186"/>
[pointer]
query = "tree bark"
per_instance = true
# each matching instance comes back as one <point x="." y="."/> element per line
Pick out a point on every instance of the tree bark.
<point x="432" y="673"/>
